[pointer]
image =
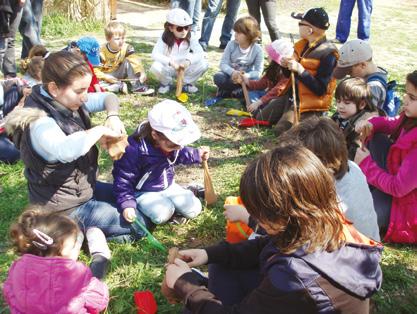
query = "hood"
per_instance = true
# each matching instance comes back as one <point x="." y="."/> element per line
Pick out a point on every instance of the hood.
<point x="44" y="284"/>
<point x="353" y="268"/>
<point x="20" y="118"/>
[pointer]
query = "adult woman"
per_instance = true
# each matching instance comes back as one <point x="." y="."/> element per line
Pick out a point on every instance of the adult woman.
<point x="57" y="143"/>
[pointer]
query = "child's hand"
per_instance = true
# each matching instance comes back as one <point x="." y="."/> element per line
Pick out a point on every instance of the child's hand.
<point x="364" y="129"/>
<point x="129" y="214"/>
<point x="255" y="105"/>
<point x="245" y="79"/>
<point x="110" y="79"/>
<point x="174" y="64"/>
<point x="361" y="154"/>
<point x="175" y="271"/>
<point x="196" y="257"/>
<point x="236" y="213"/>
<point x="284" y="62"/>
<point x="237" y="77"/>
<point x="142" y="77"/>
<point x="185" y="64"/>
<point x="204" y="152"/>
<point x="114" y="123"/>
<point x="294" y="66"/>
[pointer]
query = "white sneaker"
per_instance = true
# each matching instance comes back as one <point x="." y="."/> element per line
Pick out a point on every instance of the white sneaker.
<point x="190" y="88"/>
<point x="163" y="89"/>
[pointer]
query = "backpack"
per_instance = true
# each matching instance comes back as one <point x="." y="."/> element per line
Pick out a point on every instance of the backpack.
<point x="392" y="101"/>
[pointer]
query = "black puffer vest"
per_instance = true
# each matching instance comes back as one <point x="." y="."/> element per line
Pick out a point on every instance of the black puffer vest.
<point x="57" y="186"/>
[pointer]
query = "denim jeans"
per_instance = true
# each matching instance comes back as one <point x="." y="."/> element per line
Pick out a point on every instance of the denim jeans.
<point x="255" y="95"/>
<point x="9" y="154"/>
<point x="30" y="25"/>
<point x="213" y="9"/>
<point x="101" y="212"/>
<point x="224" y="83"/>
<point x="345" y="14"/>
<point x="269" y="13"/>
<point x="160" y="206"/>
<point x="192" y="7"/>
<point x="7" y="46"/>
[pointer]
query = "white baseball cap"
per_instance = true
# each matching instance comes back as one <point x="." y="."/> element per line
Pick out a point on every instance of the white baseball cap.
<point x="279" y="49"/>
<point x="179" y="17"/>
<point x="174" y="121"/>
<point x="352" y="52"/>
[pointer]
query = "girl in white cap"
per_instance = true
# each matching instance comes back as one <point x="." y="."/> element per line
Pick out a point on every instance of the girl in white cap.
<point x="177" y="49"/>
<point x="144" y="176"/>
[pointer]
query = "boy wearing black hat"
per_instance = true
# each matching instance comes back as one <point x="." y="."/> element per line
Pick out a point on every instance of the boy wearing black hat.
<point x="312" y="64"/>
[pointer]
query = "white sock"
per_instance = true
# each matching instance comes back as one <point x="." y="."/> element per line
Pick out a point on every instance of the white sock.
<point x="97" y="243"/>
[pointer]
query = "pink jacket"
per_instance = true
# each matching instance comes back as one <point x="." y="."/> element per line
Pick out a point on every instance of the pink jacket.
<point x="40" y="285"/>
<point x="400" y="181"/>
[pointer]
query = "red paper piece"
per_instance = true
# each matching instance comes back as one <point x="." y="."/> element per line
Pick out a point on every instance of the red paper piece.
<point x="145" y="302"/>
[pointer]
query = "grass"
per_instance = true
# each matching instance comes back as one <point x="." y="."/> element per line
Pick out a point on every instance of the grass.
<point x="139" y="267"/>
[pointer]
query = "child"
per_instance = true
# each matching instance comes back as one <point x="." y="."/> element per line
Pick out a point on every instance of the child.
<point x="311" y="261"/>
<point x="89" y="48"/>
<point x="353" y="104"/>
<point x="313" y="63"/>
<point x="178" y="49"/>
<point x="144" y="176"/>
<point x="47" y="278"/>
<point x="242" y="54"/>
<point x="323" y="137"/>
<point x="119" y="61"/>
<point x="388" y="166"/>
<point x="273" y="83"/>
<point x="31" y="67"/>
<point x="356" y="61"/>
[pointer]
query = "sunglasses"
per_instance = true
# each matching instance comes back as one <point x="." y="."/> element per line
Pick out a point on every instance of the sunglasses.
<point x="303" y="24"/>
<point x="182" y="28"/>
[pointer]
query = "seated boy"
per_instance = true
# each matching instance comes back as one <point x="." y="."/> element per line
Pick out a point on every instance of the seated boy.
<point x="119" y="61"/>
<point x="312" y="64"/>
<point x="356" y="60"/>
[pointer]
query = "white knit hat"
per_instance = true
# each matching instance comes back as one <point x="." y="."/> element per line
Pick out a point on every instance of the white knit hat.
<point x="179" y="17"/>
<point x="279" y="49"/>
<point x="174" y="121"/>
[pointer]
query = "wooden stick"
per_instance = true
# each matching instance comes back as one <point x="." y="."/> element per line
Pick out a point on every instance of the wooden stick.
<point x="180" y="78"/>
<point x="245" y="93"/>
<point x="113" y="9"/>
<point x="209" y="193"/>
<point x="296" y="111"/>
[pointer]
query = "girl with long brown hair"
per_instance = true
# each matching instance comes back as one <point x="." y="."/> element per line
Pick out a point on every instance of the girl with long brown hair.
<point x="311" y="260"/>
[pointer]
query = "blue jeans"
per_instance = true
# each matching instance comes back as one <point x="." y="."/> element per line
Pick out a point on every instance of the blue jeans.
<point x="224" y="83"/>
<point x="192" y="7"/>
<point x="255" y="95"/>
<point x="364" y="19"/>
<point x="101" y="212"/>
<point x="160" y="206"/>
<point x="30" y="25"/>
<point x="9" y="154"/>
<point x="213" y="9"/>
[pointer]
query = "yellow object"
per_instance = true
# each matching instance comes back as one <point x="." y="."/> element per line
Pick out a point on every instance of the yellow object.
<point x="239" y="113"/>
<point x="183" y="97"/>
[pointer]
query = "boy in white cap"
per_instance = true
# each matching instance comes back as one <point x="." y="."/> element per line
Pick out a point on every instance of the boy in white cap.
<point x="356" y="60"/>
<point x="144" y="176"/>
<point x="176" y="49"/>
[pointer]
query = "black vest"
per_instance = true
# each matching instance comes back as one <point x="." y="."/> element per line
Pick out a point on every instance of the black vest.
<point x="57" y="186"/>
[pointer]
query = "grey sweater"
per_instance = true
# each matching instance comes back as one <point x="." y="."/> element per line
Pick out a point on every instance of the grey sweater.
<point x="234" y="60"/>
<point x="356" y="201"/>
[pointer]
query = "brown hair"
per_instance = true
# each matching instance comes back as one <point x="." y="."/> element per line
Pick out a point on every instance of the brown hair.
<point x="63" y="67"/>
<point x="35" y="67"/>
<point x="114" y="28"/>
<point x="168" y="37"/>
<point x="35" y="51"/>
<point x="406" y="123"/>
<point x="325" y="139"/>
<point x="57" y="226"/>
<point x="291" y="191"/>
<point x="355" y="89"/>
<point x="248" y="26"/>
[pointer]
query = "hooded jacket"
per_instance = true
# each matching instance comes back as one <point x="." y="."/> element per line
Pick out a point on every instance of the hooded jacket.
<point x="146" y="168"/>
<point x="399" y="180"/>
<point x="44" y="285"/>
<point x="321" y="282"/>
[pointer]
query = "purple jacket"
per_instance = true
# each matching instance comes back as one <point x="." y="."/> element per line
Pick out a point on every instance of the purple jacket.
<point x="147" y="169"/>
<point x="42" y="285"/>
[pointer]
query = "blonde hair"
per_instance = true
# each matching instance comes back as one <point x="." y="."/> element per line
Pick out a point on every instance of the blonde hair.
<point x="114" y="28"/>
